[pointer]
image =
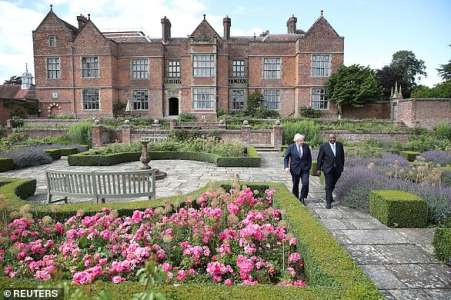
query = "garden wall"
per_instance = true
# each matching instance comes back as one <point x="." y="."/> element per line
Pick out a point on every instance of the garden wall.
<point x="38" y="122"/>
<point x="422" y="112"/>
<point x="37" y="132"/>
<point x="357" y="137"/>
<point x="376" y="110"/>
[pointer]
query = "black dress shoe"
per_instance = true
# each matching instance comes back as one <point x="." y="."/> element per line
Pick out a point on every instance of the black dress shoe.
<point x="303" y="201"/>
<point x="328" y="206"/>
<point x="333" y="200"/>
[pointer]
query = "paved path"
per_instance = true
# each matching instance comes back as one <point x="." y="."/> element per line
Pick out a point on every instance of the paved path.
<point x="399" y="261"/>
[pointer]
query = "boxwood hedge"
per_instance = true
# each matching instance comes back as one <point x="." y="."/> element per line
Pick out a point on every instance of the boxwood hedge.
<point x="330" y="271"/>
<point x="409" y="155"/>
<point x="442" y="241"/>
<point x="252" y="160"/>
<point x="6" y="164"/>
<point x="398" y="209"/>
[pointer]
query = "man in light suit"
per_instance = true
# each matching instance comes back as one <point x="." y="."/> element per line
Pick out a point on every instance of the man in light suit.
<point x="298" y="161"/>
<point x="331" y="160"/>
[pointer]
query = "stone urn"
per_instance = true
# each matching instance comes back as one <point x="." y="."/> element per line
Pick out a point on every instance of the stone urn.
<point x="145" y="157"/>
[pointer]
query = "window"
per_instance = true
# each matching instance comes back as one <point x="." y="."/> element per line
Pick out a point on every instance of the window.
<point x="204" y="65"/>
<point x="174" y="69"/>
<point x="320" y="65"/>
<point x="53" y="68"/>
<point x="271" y="98"/>
<point x="204" y="98"/>
<point x="91" y="99"/>
<point x="140" y="68"/>
<point x="238" y="70"/>
<point x="52" y="41"/>
<point x="237" y="99"/>
<point x="140" y="99"/>
<point x="271" y="68"/>
<point x="319" y="99"/>
<point x="90" y="67"/>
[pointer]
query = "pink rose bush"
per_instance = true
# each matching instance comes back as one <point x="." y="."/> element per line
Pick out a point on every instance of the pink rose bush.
<point x="224" y="238"/>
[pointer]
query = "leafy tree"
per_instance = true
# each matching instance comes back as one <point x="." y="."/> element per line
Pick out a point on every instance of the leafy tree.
<point x="445" y="70"/>
<point x="405" y="68"/>
<point x="353" y="86"/>
<point x="254" y="103"/>
<point x="441" y="90"/>
<point x="14" y="80"/>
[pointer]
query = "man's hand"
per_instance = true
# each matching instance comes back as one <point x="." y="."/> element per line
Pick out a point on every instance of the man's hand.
<point x="287" y="170"/>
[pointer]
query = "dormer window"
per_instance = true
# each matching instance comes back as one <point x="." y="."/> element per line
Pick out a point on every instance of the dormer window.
<point x="52" y="41"/>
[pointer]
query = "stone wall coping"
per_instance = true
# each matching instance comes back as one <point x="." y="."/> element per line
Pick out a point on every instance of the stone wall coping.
<point x="426" y="99"/>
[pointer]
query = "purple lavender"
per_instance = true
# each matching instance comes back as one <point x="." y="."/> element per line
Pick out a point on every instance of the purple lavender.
<point x="439" y="157"/>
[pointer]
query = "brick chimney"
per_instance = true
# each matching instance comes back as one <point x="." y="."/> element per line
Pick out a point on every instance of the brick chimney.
<point x="165" y="29"/>
<point x="291" y="24"/>
<point x="82" y="20"/>
<point x="227" y="22"/>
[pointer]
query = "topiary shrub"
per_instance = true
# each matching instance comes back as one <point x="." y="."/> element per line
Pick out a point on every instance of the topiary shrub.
<point x="409" y="155"/>
<point x="398" y="209"/>
<point x="6" y="164"/>
<point x="442" y="241"/>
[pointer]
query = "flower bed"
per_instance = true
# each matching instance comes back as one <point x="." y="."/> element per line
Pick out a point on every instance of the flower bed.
<point x="221" y="238"/>
<point x="330" y="271"/>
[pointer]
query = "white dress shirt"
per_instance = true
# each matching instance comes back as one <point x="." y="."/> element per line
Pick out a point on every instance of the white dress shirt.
<point x="333" y="146"/>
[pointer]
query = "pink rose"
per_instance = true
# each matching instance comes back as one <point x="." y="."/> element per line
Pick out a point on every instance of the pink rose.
<point x="118" y="279"/>
<point x="228" y="282"/>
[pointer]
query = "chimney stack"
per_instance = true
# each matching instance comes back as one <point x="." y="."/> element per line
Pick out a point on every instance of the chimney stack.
<point x="82" y="20"/>
<point x="165" y="29"/>
<point x="291" y="24"/>
<point x="227" y="22"/>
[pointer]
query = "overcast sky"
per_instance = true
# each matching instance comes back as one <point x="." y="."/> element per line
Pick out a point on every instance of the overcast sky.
<point x="373" y="29"/>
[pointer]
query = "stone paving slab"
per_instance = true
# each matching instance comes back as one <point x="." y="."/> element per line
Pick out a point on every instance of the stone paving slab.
<point x="370" y="236"/>
<point x="382" y="277"/>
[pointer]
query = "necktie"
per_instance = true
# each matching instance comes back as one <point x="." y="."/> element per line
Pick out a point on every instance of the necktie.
<point x="333" y="148"/>
<point x="300" y="151"/>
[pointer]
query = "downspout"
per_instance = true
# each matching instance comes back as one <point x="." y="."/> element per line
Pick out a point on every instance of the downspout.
<point x="73" y="82"/>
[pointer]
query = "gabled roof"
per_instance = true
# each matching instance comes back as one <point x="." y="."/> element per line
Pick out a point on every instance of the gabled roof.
<point x="67" y="25"/>
<point x="319" y="21"/>
<point x="205" y="29"/>
<point x="95" y="28"/>
<point x="15" y="92"/>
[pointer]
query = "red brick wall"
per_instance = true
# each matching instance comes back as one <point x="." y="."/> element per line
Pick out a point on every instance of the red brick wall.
<point x="378" y="110"/>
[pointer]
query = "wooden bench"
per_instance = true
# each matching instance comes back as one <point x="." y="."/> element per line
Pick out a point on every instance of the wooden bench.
<point x="100" y="185"/>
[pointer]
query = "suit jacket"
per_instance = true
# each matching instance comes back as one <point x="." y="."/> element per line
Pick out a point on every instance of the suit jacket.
<point x="327" y="160"/>
<point x="297" y="163"/>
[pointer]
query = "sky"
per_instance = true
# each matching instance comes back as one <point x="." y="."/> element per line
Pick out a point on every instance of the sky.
<point x="373" y="29"/>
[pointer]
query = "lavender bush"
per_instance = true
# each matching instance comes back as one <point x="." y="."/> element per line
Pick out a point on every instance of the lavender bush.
<point x="439" y="157"/>
<point x="357" y="181"/>
<point x="28" y="157"/>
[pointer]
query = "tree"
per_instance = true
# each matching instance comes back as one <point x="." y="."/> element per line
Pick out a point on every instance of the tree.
<point x="445" y="70"/>
<point x="441" y="90"/>
<point x="405" y="68"/>
<point x="14" y="80"/>
<point x="353" y="86"/>
<point x="254" y="103"/>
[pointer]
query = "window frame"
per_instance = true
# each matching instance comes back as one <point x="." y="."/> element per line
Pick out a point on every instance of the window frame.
<point x="51" y="37"/>
<point x="233" y="102"/>
<point x="212" y="95"/>
<point x="174" y="69"/>
<point x="277" y="101"/>
<point x="204" y="70"/>
<point x="84" y="68"/>
<point x="85" y="104"/>
<point x="321" y="100"/>
<point x="241" y="72"/>
<point x="48" y="70"/>
<point x="271" y="68"/>
<point x="140" y="103"/>
<point x="320" y="70"/>
<point x="144" y="71"/>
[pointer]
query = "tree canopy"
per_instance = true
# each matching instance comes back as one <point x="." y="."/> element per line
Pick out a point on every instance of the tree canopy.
<point x="353" y="85"/>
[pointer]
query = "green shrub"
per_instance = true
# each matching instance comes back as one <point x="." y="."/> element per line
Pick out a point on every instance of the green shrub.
<point x="442" y="244"/>
<point x="314" y="169"/>
<point x="443" y="130"/>
<point x="54" y="153"/>
<point x="398" y="209"/>
<point x="186" y="117"/>
<point x="309" y="112"/>
<point x="68" y="151"/>
<point x="6" y="164"/>
<point x="409" y="155"/>
<point x="80" y="133"/>
<point x="16" y="190"/>
<point x="308" y="128"/>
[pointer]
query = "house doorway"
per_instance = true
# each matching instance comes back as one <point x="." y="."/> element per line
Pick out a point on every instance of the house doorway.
<point x="173" y="106"/>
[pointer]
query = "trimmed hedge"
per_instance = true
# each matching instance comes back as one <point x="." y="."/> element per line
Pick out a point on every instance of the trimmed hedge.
<point x="330" y="271"/>
<point x="398" y="208"/>
<point x="409" y="155"/>
<point x="16" y="191"/>
<point x="58" y="152"/>
<point x="442" y="244"/>
<point x="252" y="160"/>
<point x="6" y="164"/>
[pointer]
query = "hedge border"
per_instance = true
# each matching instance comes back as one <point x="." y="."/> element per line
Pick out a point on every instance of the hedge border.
<point x="253" y="159"/>
<point x="331" y="272"/>
<point x="16" y="190"/>
<point x="398" y="209"/>
<point x="409" y="155"/>
<point x="6" y="164"/>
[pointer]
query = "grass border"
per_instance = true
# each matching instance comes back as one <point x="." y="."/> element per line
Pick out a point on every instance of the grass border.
<point x="331" y="272"/>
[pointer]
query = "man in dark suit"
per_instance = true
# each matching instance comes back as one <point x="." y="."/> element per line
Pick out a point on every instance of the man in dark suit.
<point x="298" y="161"/>
<point x="331" y="159"/>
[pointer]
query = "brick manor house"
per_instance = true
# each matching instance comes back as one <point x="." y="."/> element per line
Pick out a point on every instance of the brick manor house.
<point x="83" y="71"/>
